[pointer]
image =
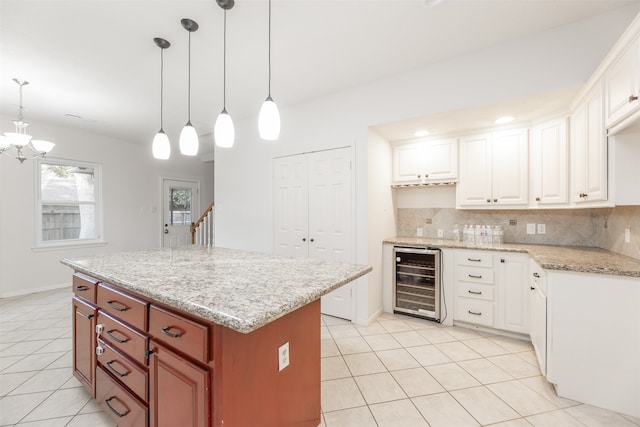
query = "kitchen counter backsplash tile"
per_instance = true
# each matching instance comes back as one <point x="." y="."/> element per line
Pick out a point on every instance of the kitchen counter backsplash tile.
<point x="237" y="289"/>
<point x="565" y="258"/>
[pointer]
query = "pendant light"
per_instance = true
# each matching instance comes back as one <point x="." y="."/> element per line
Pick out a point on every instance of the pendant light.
<point x="189" y="136"/>
<point x="161" y="147"/>
<point x="269" y="118"/>
<point x="224" y="132"/>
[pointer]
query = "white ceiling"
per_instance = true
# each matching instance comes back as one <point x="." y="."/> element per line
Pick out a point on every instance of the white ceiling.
<point x="96" y="58"/>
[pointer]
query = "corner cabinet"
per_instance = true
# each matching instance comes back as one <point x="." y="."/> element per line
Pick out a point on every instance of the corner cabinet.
<point x="425" y="161"/>
<point x="622" y="87"/>
<point x="550" y="163"/>
<point x="494" y="170"/>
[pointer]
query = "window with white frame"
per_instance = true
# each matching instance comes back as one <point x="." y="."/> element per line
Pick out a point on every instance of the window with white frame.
<point x="68" y="207"/>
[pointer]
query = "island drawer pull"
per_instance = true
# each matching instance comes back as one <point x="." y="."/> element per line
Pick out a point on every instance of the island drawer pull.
<point x="475" y="292"/>
<point x="115" y="371"/>
<point x="120" y="414"/>
<point x="475" y="277"/>
<point x="122" y="307"/>
<point x="475" y="313"/>
<point x="474" y="259"/>
<point x="82" y="288"/>
<point x="110" y="333"/>
<point x="170" y="334"/>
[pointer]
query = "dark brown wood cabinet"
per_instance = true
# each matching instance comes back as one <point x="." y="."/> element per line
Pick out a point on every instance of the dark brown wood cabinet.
<point x="84" y="344"/>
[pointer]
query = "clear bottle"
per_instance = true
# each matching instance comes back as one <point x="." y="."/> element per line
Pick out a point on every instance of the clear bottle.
<point x="489" y="235"/>
<point x="456" y="234"/>
<point x="498" y="236"/>
<point x="471" y="238"/>
<point x="478" y="235"/>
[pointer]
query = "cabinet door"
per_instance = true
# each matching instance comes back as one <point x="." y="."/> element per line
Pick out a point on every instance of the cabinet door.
<point x="621" y="86"/>
<point x="538" y="332"/>
<point x="441" y="159"/>
<point x="407" y="163"/>
<point x="510" y="168"/>
<point x="513" y="293"/>
<point x="179" y="390"/>
<point x="596" y="166"/>
<point x="578" y="154"/>
<point x="549" y="167"/>
<point x="84" y="344"/>
<point x="474" y="186"/>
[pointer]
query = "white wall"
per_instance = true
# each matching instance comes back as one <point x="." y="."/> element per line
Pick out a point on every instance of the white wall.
<point x="555" y="59"/>
<point x="131" y="188"/>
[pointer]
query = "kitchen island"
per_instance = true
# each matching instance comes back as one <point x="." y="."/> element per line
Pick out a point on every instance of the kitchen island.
<point x="202" y="336"/>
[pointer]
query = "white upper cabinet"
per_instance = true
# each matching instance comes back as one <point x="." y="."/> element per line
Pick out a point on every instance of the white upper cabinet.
<point x="425" y="162"/>
<point x="549" y="163"/>
<point x="622" y="86"/>
<point x="494" y="170"/>
<point x="589" y="150"/>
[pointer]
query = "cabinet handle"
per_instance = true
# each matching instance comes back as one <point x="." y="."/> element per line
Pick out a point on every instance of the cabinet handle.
<point x="82" y="288"/>
<point x="536" y="275"/>
<point x="122" y="307"/>
<point x="582" y="195"/>
<point x="474" y="313"/>
<point x="120" y="414"/>
<point x="90" y="316"/>
<point x="475" y="292"/>
<point x="115" y="371"/>
<point x="537" y="199"/>
<point x="474" y="259"/>
<point x="475" y="277"/>
<point x="633" y="98"/>
<point x="110" y="333"/>
<point x="532" y="288"/>
<point x="169" y="334"/>
<point x="502" y="260"/>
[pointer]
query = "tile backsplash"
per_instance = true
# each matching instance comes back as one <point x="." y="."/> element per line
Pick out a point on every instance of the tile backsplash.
<point x="603" y="227"/>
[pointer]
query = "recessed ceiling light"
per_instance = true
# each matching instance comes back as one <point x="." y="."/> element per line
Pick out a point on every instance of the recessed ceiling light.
<point x="505" y="119"/>
<point x="421" y="133"/>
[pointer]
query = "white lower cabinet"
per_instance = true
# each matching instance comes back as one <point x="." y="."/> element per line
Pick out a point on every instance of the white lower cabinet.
<point x="538" y="313"/>
<point x="513" y="292"/>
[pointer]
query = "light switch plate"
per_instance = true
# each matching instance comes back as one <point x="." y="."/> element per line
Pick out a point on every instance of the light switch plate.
<point x="531" y="229"/>
<point x="419" y="232"/>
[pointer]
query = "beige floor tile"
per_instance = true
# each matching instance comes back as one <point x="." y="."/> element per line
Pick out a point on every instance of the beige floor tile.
<point x="91" y="407"/>
<point x="377" y="388"/>
<point x="9" y="382"/>
<point x="442" y="410"/>
<point x="485" y="347"/>
<point x="410" y="339"/>
<point x="462" y="334"/>
<point x="49" y="334"/>
<point x="521" y="398"/>
<point x="514" y="366"/>
<point x="353" y="345"/>
<point x="395" y="325"/>
<point x="437" y="335"/>
<point x="484" y="406"/>
<point x="330" y="320"/>
<point x="16" y="335"/>
<point x="45" y="380"/>
<point x="24" y="348"/>
<point x="373" y="329"/>
<point x="6" y="362"/>
<point x="451" y="376"/>
<point x="400" y="413"/>
<point x="60" y="344"/>
<point x="360" y="417"/>
<point x="340" y="394"/>
<point x="514" y="345"/>
<point x="15" y="408"/>
<point x="382" y="342"/>
<point x="325" y="334"/>
<point x="457" y="351"/>
<point x="428" y="355"/>
<point x="520" y="422"/>
<point x="417" y="382"/>
<point x="529" y="357"/>
<point x="343" y="331"/>
<point x="484" y="371"/>
<point x="593" y="416"/>
<point x="541" y="386"/>
<point x="332" y="368"/>
<point x="64" y="361"/>
<point x="396" y="359"/>
<point x="61" y="403"/>
<point x="418" y="324"/>
<point x="328" y="348"/>
<point x="97" y="419"/>
<point x="364" y="364"/>
<point x="51" y="422"/>
<point x="557" y="418"/>
<point x="33" y="362"/>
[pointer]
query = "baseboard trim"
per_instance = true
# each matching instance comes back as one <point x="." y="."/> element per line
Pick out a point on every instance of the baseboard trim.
<point x="22" y="292"/>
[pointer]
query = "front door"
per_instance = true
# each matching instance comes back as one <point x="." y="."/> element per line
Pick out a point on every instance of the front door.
<point x="180" y="201"/>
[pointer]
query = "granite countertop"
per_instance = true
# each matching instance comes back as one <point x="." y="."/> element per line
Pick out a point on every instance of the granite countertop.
<point x="565" y="258"/>
<point x="237" y="289"/>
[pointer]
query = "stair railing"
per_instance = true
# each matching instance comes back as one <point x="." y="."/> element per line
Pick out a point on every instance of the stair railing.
<point x="202" y="231"/>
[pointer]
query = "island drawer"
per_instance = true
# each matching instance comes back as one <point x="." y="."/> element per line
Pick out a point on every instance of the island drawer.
<point x="124" y="370"/>
<point x="471" y="290"/>
<point x="123" y="407"/>
<point x="124" y="306"/>
<point x="180" y="333"/>
<point x="474" y="258"/>
<point x="126" y="339"/>
<point x="85" y="286"/>
<point x="475" y="275"/>
<point x="474" y="311"/>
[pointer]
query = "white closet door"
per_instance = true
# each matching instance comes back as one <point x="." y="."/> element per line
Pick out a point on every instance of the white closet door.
<point x="291" y="206"/>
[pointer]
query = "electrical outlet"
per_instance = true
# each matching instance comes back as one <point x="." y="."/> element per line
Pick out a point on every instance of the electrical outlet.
<point x="283" y="356"/>
<point x="531" y="229"/>
<point x="542" y="229"/>
<point x="440" y="233"/>
<point x="627" y="235"/>
<point x="419" y="232"/>
<point x="427" y="221"/>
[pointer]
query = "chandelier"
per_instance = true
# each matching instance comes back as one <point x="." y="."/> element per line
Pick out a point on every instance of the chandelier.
<point x="19" y="140"/>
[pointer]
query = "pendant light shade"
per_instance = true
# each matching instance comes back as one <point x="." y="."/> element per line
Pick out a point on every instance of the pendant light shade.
<point x="161" y="147"/>
<point x="223" y="131"/>
<point x="269" y="118"/>
<point x="189" y="137"/>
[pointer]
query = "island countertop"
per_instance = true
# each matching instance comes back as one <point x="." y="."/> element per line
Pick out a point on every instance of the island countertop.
<point x="239" y="290"/>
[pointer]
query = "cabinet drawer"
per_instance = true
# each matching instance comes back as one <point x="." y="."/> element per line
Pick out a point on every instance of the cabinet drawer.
<point x="185" y="335"/>
<point x="124" y="370"/>
<point x="474" y="311"/>
<point x="127" y="340"/>
<point x="124" y="306"/>
<point x="470" y="290"/>
<point x="475" y="275"/>
<point x="85" y="286"/>
<point x="474" y="258"/>
<point x="123" y="407"/>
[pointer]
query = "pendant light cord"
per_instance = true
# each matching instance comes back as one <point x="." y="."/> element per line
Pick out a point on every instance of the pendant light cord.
<point x="161" y="86"/>
<point x="224" y="64"/>
<point x="269" y="48"/>
<point x="189" y="82"/>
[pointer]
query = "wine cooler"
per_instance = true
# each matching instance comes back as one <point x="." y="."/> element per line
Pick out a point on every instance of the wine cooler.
<point x="416" y="284"/>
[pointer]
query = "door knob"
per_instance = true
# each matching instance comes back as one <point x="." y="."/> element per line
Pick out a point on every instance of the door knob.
<point x="166" y="231"/>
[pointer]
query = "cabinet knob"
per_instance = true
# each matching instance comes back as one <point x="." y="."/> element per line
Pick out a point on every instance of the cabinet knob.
<point x="495" y="200"/>
<point x="304" y="239"/>
<point x="532" y="288"/>
<point x="488" y="200"/>
<point x="633" y="98"/>
<point x="583" y="195"/>
<point x="311" y="240"/>
<point x="537" y="199"/>
<point x="419" y="176"/>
